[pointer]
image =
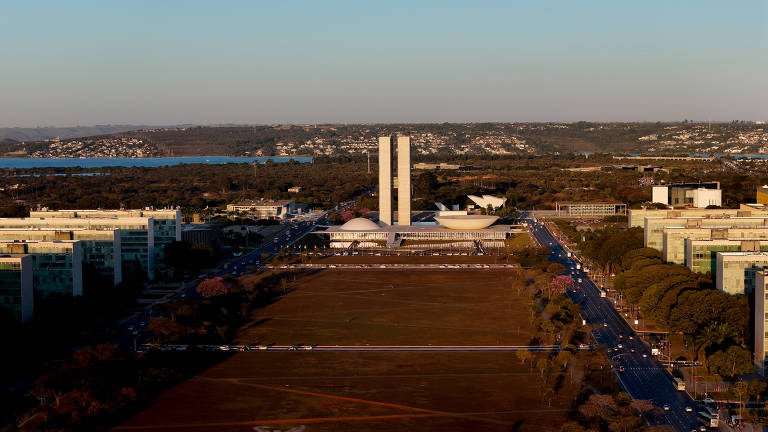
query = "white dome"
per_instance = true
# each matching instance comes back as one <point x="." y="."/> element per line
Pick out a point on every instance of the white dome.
<point x="359" y="224"/>
<point x="466" y="221"/>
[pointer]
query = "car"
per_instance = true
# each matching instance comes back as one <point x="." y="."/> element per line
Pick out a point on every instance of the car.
<point x="631" y="337"/>
<point x="620" y="345"/>
<point x="666" y="407"/>
<point x="688" y="409"/>
<point x="605" y="324"/>
<point x="621" y="336"/>
<point x="631" y="350"/>
<point x="224" y="348"/>
<point x="621" y="369"/>
<point x="291" y="348"/>
<point x="645" y="355"/>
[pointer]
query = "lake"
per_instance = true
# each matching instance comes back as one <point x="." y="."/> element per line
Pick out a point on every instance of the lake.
<point x="137" y="162"/>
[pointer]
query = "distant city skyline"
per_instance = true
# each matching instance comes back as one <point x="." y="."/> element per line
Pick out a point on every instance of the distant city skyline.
<point x="148" y="63"/>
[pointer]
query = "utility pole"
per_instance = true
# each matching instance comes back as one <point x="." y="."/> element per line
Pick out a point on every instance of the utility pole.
<point x="368" y="153"/>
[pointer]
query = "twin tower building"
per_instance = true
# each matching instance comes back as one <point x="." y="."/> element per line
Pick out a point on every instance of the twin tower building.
<point x="402" y="182"/>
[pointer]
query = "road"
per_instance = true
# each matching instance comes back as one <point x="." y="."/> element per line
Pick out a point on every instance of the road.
<point x="643" y="377"/>
<point x="133" y="331"/>
<point x="366" y="348"/>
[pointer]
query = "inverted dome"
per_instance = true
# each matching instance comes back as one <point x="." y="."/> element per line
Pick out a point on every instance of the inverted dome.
<point x="466" y="221"/>
<point x="359" y="224"/>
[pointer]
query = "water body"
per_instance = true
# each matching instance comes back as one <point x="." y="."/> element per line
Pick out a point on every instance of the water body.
<point x="138" y="162"/>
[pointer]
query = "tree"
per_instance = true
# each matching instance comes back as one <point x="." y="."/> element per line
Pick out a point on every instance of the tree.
<point x="740" y="389"/>
<point x="560" y="284"/>
<point x="571" y="426"/>
<point x="641" y="405"/>
<point x="756" y="389"/>
<point x="564" y="357"/>
<point x="523" y="355"/>
<point x="733" y="361"/>
<point x="542" y="364"/>
<point x="213" y="287"/>
<point x="165" y="330"/>
<point x="555" y="269"/>
<point x="598" y="406"/>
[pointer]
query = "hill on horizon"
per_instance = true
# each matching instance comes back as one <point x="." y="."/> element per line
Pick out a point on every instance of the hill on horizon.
<point x="43" y="133"/>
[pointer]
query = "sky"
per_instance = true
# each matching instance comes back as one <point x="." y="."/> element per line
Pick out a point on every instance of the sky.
<point x="267" y="62"/>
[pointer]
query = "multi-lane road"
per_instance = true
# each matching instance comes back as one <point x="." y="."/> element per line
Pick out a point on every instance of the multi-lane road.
<point x="363" y="348"/>
<point x="641" y="375"/>
<point x="133" y="331"/>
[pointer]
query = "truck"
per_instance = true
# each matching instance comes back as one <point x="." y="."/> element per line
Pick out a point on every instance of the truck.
<point x="569" y="254"/>
<point x="578" y="266"/>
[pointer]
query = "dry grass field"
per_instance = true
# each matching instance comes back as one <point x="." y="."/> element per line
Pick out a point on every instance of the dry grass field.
<point x="411" y="259"/>
<point x="382" y="391"/>
<point x="395" y="307"/>
<point x="360" y="392"/>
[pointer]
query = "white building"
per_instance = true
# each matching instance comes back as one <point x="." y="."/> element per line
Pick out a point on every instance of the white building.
<point x="137" y="237"/>
<point x="736" y="271"/>
<point x="487" y="200"/>
<point x="703" y="198"/>
<point x="403" y="180"/>
<point x="761" y="321"/>
<point x="265" y="209"/>
<point x="468" y="228"/>
<point x="697" y="195"/>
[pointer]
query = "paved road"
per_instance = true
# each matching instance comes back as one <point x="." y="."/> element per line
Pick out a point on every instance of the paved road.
<point x="133" y="331"/>
<point x="644" y="377"/>
<point x="367" y="348"/>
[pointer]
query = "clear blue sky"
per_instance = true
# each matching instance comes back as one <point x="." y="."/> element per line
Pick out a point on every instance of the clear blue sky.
<point x="165" y="62"/>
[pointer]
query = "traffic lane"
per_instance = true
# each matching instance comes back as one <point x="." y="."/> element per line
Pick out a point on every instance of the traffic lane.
<point x="655" y="376"/>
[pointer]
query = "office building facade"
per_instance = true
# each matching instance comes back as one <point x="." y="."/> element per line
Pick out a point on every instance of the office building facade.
<point x="166" y="222"/>
<point x="386" y="144"/>
<point x="101" y="248"/>
<point x="735" y="271"/>
<point x="653" y="234"/>
<point x="16" y="286"/>
<point x="637" y="216"/>
<point x="137" y="241"/>
<point x="57" y="265"/>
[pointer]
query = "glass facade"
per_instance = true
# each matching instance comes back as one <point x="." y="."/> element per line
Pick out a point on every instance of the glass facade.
<point x="10" y="287"/>
<point x="166" y="228"/>
<point x="101" y="248"/>
<point x="56" y="266"/>
<point x="16" y="286"/>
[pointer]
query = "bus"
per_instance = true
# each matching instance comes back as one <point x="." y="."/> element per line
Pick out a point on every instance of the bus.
<point x="679" y="384"/>
<point x="708" y="417"/>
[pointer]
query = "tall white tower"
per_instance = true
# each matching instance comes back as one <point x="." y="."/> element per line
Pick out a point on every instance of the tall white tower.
<point x="403" y="180"/>
<point x="385" y="180"/>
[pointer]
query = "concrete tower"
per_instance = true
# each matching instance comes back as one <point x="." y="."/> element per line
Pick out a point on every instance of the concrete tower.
<point x="403" y="180"/>
<point x="385" y="180"/>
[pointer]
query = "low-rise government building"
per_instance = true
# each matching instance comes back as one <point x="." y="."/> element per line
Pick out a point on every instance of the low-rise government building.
<point x="264" y="208"/>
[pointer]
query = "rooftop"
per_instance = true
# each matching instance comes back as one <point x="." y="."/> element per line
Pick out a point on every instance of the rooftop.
<point x="423" y="228"/>
<point x="262" y="202"/>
